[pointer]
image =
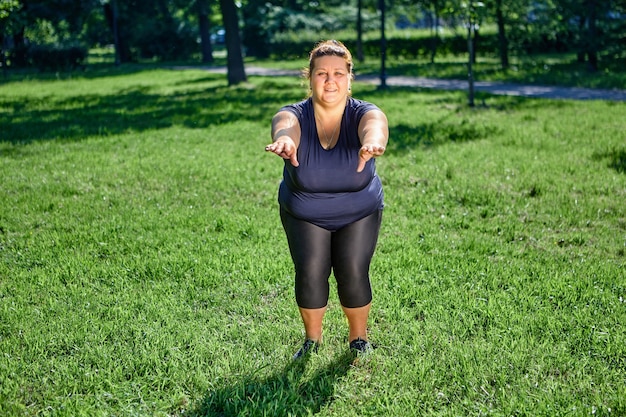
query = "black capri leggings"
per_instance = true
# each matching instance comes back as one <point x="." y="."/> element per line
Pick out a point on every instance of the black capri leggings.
<point x="347" y="251"/>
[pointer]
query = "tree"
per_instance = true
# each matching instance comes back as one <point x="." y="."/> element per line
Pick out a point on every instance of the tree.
<point x="8" y="9"/>
<point x="471" y="14"/>
<point x="594" y="28"/>
<point x="111" y="13"/>
<point x="204" y="28"/>
<point x="40" y="22"/>
<point x="256" y="35"/>
<point x="236" y="70"/>
<point x="150" y="29"/>
<point x="506" y="14"/>
<point x="435" y="7"/>
<point x="592" y="31"/>
<point x="503" y="42"/>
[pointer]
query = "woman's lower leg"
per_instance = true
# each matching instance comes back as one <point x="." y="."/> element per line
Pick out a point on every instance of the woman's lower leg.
<point x="357" y="321"/>
<point x="312" y="319"/>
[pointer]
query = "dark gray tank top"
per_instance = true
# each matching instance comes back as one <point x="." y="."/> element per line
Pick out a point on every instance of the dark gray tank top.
<point x="325" y="188"/>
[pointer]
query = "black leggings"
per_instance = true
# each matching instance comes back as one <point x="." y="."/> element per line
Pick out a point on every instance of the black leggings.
<point x="348" y="251"/>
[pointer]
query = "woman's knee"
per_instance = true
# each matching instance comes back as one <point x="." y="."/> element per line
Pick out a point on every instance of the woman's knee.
<point x="312" y="297"/>
<point x="354" y="293"/>
<point x="354" y="290"/>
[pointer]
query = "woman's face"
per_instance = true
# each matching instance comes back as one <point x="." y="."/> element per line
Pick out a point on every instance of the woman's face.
<point x="330" y="79"/>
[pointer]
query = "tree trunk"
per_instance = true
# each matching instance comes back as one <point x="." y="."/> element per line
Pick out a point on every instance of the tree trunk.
<point x="204" y="26"/>
<point x="475" y="44"/>
<point x="503" y="42"/>
<point x="434" y="44"/>
<point x="359" y="32"/>
<point x="580" y="55"/>
<point x="236" y="70"/>
<point x="592" y="45"/>
<point x="116" y="35"/>
<point x="19" y="57"/>
<point x="383" y="46"/>
<point x="3" y="58"/>
<point x="111" y="14"/>
<point x="470" y="70"/>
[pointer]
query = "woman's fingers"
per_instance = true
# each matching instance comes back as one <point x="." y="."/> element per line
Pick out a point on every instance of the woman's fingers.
<point x="285" y="151"/>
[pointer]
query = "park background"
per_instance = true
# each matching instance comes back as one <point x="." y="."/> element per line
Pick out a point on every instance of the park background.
<point x="143" y="268"/>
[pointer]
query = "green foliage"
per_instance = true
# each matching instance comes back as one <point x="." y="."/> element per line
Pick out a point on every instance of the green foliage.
<point x="420" y="46"/>
<point x="168" y="30"/>
<point x="144" y="271"/>
<point x="7" y="7"/>
<point x="154" y="32"/>
<point x="270" y="28"/>
<point x="298" y="46"/>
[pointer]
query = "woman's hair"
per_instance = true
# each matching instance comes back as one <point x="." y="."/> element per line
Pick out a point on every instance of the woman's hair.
<point x="328" y="48"/>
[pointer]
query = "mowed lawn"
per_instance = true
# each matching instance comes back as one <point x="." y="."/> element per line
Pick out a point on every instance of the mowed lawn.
<point x="144" y="270"/>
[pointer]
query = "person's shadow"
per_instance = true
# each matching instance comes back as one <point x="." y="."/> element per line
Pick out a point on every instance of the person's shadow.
<point x="290" y="392"/>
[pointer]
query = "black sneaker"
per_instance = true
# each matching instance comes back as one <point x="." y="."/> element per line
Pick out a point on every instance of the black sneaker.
<point x="360" y="346"/>
<point x="309" y="345"/>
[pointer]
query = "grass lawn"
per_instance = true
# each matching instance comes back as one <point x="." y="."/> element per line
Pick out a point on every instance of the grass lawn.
<point x="144" y="271"/>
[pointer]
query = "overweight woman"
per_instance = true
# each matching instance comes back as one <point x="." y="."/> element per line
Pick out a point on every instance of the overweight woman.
<point x="331" y="198"/>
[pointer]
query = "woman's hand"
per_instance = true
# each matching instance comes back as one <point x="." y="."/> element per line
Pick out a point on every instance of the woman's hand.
<point x="286" y="149"/>
<point x="368" y="152"/>
<point x="286" y="136"/>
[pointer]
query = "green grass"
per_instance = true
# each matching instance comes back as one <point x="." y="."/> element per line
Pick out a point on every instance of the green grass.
<point x="144" y="271"/>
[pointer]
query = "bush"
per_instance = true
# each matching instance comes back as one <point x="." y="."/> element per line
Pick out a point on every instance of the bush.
<point x="57" y="57"/>
<point x="296" y="47"/>
<point x="396" y="47"/>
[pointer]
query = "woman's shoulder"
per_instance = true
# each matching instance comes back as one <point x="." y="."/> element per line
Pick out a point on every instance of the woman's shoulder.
<point x="298" y="108"/>
<point x="357" y="108"/>
<point x="360" y="105"/>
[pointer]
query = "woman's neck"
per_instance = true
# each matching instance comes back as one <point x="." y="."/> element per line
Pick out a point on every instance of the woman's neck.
<point x="324" y="111"/>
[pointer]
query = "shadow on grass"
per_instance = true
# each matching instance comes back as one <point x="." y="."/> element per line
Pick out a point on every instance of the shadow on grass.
<point x="97" y="70"/>
<point x="437" y="133"/>
<point x="290" y="392"/>
<point x="137" y="109"/>
<point x="456" y="126"/>
<point x="207" y="101"/>
<point x="140" y="108"/>
<point x="616" y="159"/>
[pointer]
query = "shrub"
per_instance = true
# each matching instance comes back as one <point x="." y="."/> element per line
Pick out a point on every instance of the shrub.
<point x="57" y="57"/>
<point x="396" y="47"/>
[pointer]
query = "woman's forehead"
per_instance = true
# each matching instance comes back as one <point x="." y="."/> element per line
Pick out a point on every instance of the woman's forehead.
<point x="331" y="61"/>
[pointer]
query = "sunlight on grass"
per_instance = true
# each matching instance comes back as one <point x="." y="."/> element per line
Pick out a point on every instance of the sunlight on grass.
<point x="144" y="271"/>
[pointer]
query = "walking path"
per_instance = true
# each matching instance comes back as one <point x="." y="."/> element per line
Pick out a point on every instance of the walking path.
<point x="492" y="87"/>
<point x="500" y="88"/>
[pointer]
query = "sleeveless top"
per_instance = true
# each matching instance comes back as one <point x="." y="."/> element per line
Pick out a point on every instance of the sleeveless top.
<point x="325" y="189"/>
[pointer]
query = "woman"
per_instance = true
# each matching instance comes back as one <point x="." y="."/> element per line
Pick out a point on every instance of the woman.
<point x="331" y="198"/>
